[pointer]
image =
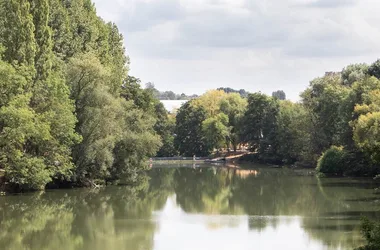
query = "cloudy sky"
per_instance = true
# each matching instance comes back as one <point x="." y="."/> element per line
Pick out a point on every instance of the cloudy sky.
<point x="260" y="45"/>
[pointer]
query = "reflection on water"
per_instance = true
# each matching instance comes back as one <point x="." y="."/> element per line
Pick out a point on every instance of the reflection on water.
<point x="195" y="207"/>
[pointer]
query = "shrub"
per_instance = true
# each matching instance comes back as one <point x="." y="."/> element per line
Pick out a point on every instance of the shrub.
<point x="332" y="161"/>
<point x="371" y="233"/>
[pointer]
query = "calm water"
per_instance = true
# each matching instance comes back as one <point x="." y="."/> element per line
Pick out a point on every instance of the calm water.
<point x="186" y="208"/>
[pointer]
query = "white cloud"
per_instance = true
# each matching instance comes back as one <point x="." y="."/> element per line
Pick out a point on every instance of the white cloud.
<point x="194" y="45"/>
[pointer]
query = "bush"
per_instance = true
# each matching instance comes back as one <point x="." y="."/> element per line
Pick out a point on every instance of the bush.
<point x="359" y="164"/>
<point x="371" y="233"/>
<point x="29" y="173"/>
<point x="332" y="161"/>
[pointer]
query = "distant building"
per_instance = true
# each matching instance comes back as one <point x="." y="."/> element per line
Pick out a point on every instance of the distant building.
<point x="172" y="105"/>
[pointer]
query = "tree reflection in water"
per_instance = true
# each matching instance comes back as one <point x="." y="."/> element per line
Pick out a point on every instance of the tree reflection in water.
<point x="122" y="217"/>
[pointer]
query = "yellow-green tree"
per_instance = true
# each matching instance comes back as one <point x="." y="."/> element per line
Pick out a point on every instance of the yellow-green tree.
<point x="367" y="126"/>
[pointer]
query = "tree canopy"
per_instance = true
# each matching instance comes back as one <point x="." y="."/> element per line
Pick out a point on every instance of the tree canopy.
<point x="68" y="109"/>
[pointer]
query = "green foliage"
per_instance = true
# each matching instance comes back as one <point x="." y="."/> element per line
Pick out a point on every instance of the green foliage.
<point x="144" y="99"/>
<point x="164" y="127"/>
<point x="64" y="114"/>
<point x="374" y="69"/>
<point x="366" y="133"/>
<point x="18" y="33"/>
<point x="215" y="117"/>
<point x="70" y="112"/>
<point x="258" y="127"/>
<point x="234" y="106"/>
<point x="117" y="136"/>
<point x="279" y="94"/>
<point x="371" y="233"/>
<point x="11" y="84"/>
<point x="242" y="92"/>
<point x="189" y="138"/>
<point x="216" y="131"/>
<point x="332" y="161"/>
<point x="293" y="132"/>
<point x="99" y="117"/>
<point x="137" y="142"/>
<point x="353" y="73"/>
<point x="37" y="114"/>
<point x="42" y="33"/>
<point x="322" y="101"/>
<point x="210" y="101"/>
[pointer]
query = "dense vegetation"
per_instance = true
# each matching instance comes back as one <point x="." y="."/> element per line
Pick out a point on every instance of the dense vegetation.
<point x="69" y="112"/>
<point x="370" y="231"/>
<point x="335" y="124"/>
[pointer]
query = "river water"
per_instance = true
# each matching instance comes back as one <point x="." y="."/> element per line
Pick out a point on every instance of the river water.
<point x="195" y="207"/>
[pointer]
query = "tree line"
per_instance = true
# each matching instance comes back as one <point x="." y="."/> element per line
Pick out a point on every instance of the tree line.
<point x="69" y="112"/>
<point x="167" y="95"/>
<point x="71" y="115"/>
<point x="335" y="125"/>
<point x="170" y="95"/>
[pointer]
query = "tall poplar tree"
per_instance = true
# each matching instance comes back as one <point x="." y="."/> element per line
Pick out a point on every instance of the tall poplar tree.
<point x="38" y="121"/>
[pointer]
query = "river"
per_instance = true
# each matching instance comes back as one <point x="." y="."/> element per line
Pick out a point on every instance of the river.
<point x="195" y="207"/>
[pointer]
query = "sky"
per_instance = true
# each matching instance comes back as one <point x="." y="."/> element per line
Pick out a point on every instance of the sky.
<point x="190" y="46"/>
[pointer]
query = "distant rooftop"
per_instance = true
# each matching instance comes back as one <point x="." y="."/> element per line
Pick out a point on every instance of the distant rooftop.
<point x="171" y="105"/>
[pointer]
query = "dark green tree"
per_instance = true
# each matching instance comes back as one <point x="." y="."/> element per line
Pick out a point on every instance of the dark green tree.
<point x="259" y="128"/>
<point x="164" y="127"/>
<point x="18" y="34"/>
<point x="279" y="94"/>
<point x="374" y="69"/>
<point x="189" y="138"/>
<point x="323" y="100"/>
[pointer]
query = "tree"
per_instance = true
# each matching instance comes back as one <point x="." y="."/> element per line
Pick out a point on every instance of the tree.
<point x="18" y="33"/>
<point x="38" y="120"/>
<point x="241" y="92"/>
<point x="216" y="131"/>
<point x="42" y="34"/>
<point x="168" y="95"/>
<point x="366" y="127"/>
<point x="137" y="142"/>
<point x="210" y="101"/>
<point x="370" y="231"/>
<point x="258" y="127"/>
<point x="234" y="106"/>
<point x="374" y="69"/>
<point x="63" y="79"/>
<point x="142" y="98"/>
<point x="353" y="73"/>
<point x="293" y="132"/>
<point x="189" y="138"/>
<point x="332" y="161"/>
<point x="323" y="101"/>
<point x="34" y="147"/>
<point x="279" y="94"/>
<point x="100" y="117"/>
<point x="164" y="127"/>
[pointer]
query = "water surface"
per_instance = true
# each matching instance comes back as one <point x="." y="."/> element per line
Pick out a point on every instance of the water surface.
<point x="194" y="208"/>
